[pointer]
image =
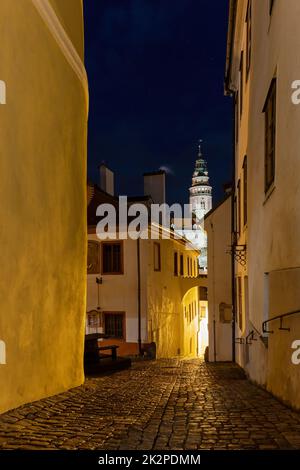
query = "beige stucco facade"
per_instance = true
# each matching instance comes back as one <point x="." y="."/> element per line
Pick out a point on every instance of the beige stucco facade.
<point x="271" y="276"/>
<point x="43" y="199"/>
<point x="118" y="292"/>
<point x="218" y="228"/>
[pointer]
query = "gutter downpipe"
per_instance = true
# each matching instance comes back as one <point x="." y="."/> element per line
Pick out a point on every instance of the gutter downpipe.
<point x="231" y="92"/>
<point x="215" y="346"/>
<point x="139" y="295"/>
<point x="213" y="293"/>
<point x="233" y="293"/>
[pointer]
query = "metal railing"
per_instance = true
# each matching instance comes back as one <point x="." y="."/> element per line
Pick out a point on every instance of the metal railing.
<point x="250" y="337"/>
<point x="246" y="340"/>
<point x="239" y="340"/>
<point x="278" y="317"/>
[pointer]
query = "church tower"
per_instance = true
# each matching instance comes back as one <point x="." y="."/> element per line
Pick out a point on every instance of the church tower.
<point x="200" y="191"/>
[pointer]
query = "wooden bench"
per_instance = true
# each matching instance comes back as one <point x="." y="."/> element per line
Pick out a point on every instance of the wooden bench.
<point x="111" y="347"/>
<point x="94" y="361"/>
<point x="92" y="349"/>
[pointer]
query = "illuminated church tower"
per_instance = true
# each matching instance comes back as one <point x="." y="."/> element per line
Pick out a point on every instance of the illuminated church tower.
<point x="200" y="191"/>
<point x="200" y="204"/>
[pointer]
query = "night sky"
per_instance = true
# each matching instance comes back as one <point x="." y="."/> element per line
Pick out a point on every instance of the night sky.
<point x="156" y="73"/>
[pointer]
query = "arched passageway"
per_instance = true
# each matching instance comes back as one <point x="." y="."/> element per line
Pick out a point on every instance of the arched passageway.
<point x="194" y="324"/>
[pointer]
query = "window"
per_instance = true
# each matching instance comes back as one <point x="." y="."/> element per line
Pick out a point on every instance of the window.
<point x="245" y="190"/>
<point x="270" y="135"/>
<point x="241" y="83"/>
<point x="238" y="208"/>
<point x="237" y="117"/>
<point x="203" y="293"/>
<point x="202" y="204"/>
<point x="234" y="236"/>
<point x="114" y="324"/>
<point x="188" y="265"/>
<point x="112" y="258"/>
<point x="181" y="265"/>
<point x="202" y="312"/>
<point x="157" y="259"/>
<point x="175" y="263"/>
<point x="249" y="36"/>
<point x="93" y="258"/>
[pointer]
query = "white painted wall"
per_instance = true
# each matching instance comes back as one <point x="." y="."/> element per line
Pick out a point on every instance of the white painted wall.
<point x="218" y="227"/>
<point x="119" y="292"/>
<point x="274" y="223"/>
<point x="273" y="229"/>
<point x="203" y="338"/>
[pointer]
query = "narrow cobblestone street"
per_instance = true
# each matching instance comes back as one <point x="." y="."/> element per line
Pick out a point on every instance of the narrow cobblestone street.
<point x="165" y="404"/>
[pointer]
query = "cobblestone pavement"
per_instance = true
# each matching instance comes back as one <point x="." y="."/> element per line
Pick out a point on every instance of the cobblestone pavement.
<point x="165" y="404"/>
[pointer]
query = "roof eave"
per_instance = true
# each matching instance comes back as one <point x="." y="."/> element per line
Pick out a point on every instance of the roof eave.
<point x="228" y="89"/>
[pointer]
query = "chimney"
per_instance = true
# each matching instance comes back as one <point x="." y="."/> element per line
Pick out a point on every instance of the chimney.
<point x="107" y="178"/>
<point x="227" y="188"/>
<point x="155" y="186"/>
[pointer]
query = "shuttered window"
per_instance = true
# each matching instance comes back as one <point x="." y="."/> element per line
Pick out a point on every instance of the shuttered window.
<point x="270" y="135"/>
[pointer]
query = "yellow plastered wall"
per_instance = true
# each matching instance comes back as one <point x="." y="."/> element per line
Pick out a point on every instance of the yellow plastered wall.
<point x="165" y="294"/>
<point x="190" y="315"/>
<point x="43" y="206"/>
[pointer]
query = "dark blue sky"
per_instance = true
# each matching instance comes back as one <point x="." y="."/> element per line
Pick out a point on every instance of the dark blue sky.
<point x="156" y="70"/>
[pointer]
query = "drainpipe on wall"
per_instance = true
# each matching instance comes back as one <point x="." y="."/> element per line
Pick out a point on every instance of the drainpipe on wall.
<point x="233" y="296"/>
<point x="213" y="292"/>
<point x="233" y="237"/>
<point x="139" y="295"/>
<point x="215" y="347"/>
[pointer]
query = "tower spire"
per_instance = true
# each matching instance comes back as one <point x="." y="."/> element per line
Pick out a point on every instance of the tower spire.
<point x="199" y="148"/>
<point x="200" y="168"/>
